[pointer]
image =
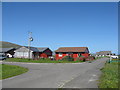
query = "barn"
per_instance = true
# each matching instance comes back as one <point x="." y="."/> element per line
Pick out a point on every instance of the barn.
<point x="35" y="52"/>
<point x="71" y="51"/>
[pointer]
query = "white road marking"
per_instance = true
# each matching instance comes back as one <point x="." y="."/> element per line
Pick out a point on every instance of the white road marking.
<point x="94" y="75"/>
<point x="92" y="78"/>
<point x="66" y="81"/>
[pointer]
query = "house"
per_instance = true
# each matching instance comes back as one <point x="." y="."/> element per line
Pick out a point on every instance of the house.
<point x="9" y="52"/>
<point x="71" y="51"/>
<point x="35" y="52"/>
<point x="104" y="53"/>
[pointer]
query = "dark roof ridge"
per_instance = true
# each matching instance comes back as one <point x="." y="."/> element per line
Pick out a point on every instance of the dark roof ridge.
<point x="36" y="47"/>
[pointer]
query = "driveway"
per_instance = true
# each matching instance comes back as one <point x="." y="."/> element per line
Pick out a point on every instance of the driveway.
<point x="60" y="75"/>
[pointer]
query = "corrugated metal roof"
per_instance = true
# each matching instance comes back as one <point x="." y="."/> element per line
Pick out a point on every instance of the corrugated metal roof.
<point x="37" y="49"/>
<point x="42" y="49"/>
<point x="5" y="49"/>
<point x="103" y="53"/>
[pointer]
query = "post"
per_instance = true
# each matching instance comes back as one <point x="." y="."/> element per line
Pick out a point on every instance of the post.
<point x="29" y="42"/>
<point x="110" y="59"/>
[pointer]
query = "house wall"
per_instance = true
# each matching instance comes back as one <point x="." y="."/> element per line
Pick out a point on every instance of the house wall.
<point x="75" y="55"/>
<point x="22" y="55"/>
<point x="60" y="57"/>
<point x="86" y="54"/>
<point x="43" y="55"/>
<point x="46" y="53"/>
<point x="35" y="55"/>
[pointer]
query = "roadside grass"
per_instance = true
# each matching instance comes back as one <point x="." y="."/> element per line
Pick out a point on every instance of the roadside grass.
<point x="98" y="58"/>
<point x="0" y="71"/>
<point x="109" y="77"/>
<point x="115" y="59"/>
<point x="47" y="60"/>
<point x="11" y="70"/>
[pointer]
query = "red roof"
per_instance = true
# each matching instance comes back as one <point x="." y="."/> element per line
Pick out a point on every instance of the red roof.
<point x="72" y="49"/>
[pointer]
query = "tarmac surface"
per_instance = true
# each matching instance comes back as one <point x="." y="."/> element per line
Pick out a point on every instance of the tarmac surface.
<point x="56" y="75"/>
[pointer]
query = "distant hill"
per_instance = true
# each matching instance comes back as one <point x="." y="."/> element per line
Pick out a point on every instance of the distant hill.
<point x="4" y="44"/>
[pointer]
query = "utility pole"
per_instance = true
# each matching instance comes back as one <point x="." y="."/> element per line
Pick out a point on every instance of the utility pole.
<point x="110" y="58"/>
<point x="29" y="43"/>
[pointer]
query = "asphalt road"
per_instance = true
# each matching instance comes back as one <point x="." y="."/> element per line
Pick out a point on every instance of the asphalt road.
<point x="60" y="75"/>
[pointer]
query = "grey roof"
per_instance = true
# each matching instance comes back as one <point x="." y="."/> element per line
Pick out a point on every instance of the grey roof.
<point x="42" y="49"/>
<point x="103" y="53"/>
<point x="37" y="49"/>
<point x="5" y="49"/>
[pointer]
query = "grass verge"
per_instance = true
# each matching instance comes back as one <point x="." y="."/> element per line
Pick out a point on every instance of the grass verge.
<point x="109" y="77"/>
<point x="11" y="70"/>
<point x="47" y="60"/>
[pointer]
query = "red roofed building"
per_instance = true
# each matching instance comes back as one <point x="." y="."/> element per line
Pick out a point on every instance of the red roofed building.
<point x="71" y="51"/>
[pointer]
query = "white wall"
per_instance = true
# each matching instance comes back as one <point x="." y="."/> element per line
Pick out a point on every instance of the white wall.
<point x="22" y="55"/>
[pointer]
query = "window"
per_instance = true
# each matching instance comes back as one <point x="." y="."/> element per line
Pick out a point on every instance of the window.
<point x="79" y="54"/>
<point x="60" y="54"/>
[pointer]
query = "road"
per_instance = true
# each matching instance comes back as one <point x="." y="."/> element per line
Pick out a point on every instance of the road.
<point x="59" y="75"/>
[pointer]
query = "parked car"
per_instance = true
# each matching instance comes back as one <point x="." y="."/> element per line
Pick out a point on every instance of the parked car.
<point x="115" y="56"/>
<point x="51" y="58"/>
<point x="2" y="56"/>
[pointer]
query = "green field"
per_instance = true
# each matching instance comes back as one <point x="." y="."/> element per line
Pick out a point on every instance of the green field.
<point x="7" y="71"/>
<point x="109" y="77"/>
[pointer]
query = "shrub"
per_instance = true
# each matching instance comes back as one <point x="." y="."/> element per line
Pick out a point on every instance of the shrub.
<point x="77" y="59"/>
<point x="80" y="59"/>
<point x="68" y="58"/>
<point x="90" y="58"/>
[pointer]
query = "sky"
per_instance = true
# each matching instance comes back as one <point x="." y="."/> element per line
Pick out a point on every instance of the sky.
<point x="62" y="24"/>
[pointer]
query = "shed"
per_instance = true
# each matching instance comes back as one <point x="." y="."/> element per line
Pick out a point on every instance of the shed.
<point x="35" y="52"/>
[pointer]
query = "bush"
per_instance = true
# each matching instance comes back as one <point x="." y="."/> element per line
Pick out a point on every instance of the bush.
<point x="68" y="58"/>
<point x="83" y="59"/>
<point x="80" y="59"/>
<point x="90" y="58"/>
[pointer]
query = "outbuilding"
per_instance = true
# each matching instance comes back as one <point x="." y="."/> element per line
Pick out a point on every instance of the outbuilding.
<point x="35" y="52"/>
<point x="104" y="53"/>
